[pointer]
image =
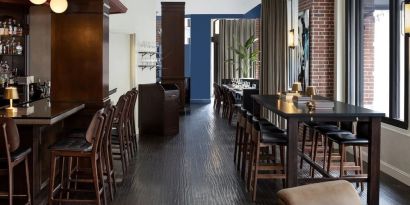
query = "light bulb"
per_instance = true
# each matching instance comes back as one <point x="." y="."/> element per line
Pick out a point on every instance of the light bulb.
<point x="38" y="2"/>
<point x="58" y="6"/>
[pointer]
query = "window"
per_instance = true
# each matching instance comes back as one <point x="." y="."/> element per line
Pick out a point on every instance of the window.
<point x="377" y="75"/>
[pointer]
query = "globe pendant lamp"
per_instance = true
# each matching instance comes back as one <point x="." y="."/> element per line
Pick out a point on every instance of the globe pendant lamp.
<point x="58" y="6"/>
<point x="38" y="2"/>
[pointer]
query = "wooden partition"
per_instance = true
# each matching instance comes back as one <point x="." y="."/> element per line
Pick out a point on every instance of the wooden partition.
<point x="173" y="48"/>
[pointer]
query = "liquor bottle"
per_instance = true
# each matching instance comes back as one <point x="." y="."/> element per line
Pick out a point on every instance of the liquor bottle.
<point x="19" y="48"/>
<point x="19" y="30"/>
<point x="14" y="27"/>
<point x="1" y="48"/>
<point x="13" y="47"/>
<point x="10" y="24"/>
<point x="1" y="28"/>
<point x="6" y="28"/>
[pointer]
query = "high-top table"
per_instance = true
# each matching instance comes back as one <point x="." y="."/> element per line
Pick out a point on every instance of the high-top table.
<point x="341" y="112"/>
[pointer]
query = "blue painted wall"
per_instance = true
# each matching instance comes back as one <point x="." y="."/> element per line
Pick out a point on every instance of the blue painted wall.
<point x="254" y="13"/>
<point x="200" y="57"/>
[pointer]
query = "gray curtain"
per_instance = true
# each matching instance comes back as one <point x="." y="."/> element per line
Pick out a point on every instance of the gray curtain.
<point x="274" y="48"/>
<point x="231" y="34"/>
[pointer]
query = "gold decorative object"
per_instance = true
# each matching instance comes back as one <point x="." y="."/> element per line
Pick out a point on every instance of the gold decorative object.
<point x="311" y="91"/>
<point x="11" y="94"/>
<point x="297" y="87"/>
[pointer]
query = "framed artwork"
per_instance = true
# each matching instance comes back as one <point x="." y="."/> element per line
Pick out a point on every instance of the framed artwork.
<point x="304" y="48"/>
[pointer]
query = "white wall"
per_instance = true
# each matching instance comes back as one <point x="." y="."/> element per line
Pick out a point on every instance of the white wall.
<point x="214" y="6"/>
<point x="395" y="142"/>
<point x="140" y="20"/>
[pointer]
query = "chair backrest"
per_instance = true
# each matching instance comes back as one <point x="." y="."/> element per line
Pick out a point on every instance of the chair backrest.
<point x="120" y="106"/>
<point x="11" y="134"/>
<point x="362" y="129"/>
<point x="94" y="129"/>
<point x="109" y="111"/>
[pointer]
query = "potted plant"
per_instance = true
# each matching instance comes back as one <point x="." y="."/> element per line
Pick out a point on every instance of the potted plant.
<point x="246" y="57"/>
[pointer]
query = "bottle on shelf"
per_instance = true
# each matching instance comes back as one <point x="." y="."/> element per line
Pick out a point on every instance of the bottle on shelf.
<point x="19" y="30"/>
<point x="14" y="27"/>
<point x="19" y="49"/>
<point x="10" y="25"/>
<point x="6" y="28"/>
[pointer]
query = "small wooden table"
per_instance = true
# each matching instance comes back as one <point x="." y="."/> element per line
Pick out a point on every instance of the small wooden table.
<point x="341" y="112"/>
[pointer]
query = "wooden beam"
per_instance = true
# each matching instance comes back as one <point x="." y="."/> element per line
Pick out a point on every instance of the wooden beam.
<point x="116" y="7"/>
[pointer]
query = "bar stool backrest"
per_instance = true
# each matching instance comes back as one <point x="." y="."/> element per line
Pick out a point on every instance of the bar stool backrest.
<point x="120" y="106"/>
<point x="109" y="112"/>
<point x="11" y="135"/>
<point x="94" y="129"/>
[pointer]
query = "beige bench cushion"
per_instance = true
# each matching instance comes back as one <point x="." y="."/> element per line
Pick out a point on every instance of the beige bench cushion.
<point x="334" y="192"/>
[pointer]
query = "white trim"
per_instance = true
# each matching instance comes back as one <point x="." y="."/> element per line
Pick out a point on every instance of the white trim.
<point x="396" y="130"/>
<point x="392" y="171"/>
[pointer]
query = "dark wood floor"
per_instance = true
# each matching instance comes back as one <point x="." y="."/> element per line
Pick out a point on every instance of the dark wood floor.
<point x="196" y="167"/>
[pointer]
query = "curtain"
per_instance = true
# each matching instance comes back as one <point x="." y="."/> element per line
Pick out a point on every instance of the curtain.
<point x="274" y="48"/>
<point x="233" y="33"/>
<point x="274" y="52"/>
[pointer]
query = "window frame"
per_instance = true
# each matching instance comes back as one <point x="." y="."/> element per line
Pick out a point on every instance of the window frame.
<point x="354" y="60"/>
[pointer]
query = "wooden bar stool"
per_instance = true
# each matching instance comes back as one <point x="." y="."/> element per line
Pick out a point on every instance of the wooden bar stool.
<point x="89" y="148"/>
<point x="345" y="140"/>
<point x="12" y="154"/>
<point x="263" y="165"/>
<point x="240" y="128"/>
<point x="118" y="134"/>
<point x="132" y="117"/>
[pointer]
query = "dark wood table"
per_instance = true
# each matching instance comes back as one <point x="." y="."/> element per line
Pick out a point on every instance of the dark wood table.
<point x="341" y="112"/>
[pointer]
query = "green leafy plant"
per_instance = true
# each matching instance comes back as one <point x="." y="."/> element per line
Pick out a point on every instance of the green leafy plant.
<point x="246" y="57"/>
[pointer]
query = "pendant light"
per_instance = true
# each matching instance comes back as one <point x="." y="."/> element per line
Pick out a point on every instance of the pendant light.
<point x="407" y="16"/>
<point x="38" y="2"/>
<point x="58" y="6"/>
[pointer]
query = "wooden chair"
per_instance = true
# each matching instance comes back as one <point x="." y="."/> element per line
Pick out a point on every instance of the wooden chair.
<point x="12" y="155"/>
<point x="89" y="148"/>
<point x="217" y="97"/>
<point x="240" y="129"/>
<point x="233" y="107"/>
<point x="262" y="164"/>
<point x="132" y="117"/>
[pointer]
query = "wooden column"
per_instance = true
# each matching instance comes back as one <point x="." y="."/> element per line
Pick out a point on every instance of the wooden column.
<point x="79" y="53"/>
<point x="173" y="48"/>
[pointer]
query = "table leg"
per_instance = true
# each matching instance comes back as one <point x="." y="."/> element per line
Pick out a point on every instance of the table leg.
<point x="373" y="169"/>
<point x="292" y="153"/>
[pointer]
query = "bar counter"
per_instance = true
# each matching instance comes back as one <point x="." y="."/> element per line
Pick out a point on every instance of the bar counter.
<point x="40" y="124"/>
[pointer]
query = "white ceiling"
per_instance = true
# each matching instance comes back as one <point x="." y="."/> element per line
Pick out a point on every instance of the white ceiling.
<point x="214" y="6"/>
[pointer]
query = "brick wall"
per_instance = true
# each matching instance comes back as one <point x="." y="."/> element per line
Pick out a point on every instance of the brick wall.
<point x="321" y="44"/>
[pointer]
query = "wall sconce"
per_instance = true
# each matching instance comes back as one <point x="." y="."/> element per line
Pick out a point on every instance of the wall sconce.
<point x="407" y="17"/>
<point x="291" y="38"/>
<point x="57" y="6"/>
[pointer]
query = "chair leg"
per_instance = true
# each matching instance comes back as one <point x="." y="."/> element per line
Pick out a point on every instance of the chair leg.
<point x="111" y="162"/>
<point x="303" y="145"/>
<point x="108" y="171"/>
<point x="95" y="180"/>
<point x="69" y="173"/>
<point x="250" y="166"/>
<point x="100" y="172"/>
<point x="342" y="159"/>
<point x="361" y="167"/>
<point x="240" y="149"/>
<point x="236" y="141"/>
<point x="314" y="148"/>
<point x="27" y="181"/>
<point x="329" y="158"/>
<point x="244" y="154"/>
<point x="11" y="185"/>
<point x="255" y="173"/>
<point x="282" y="161"/>
<point x="324" y="152"/>
<point x="52" y="178"/>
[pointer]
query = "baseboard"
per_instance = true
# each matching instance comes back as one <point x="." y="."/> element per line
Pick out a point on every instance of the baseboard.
<point x="200" y="101"/>
<point x="392" y="171"/>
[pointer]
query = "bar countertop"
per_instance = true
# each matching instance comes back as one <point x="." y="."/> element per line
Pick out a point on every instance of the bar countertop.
<point x="43" y="112"/>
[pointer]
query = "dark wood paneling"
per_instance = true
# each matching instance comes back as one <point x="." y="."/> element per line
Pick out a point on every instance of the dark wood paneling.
<point x="173" y="15"/>
<point x="80" y="53"/>
<point x="117" y="7"/>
